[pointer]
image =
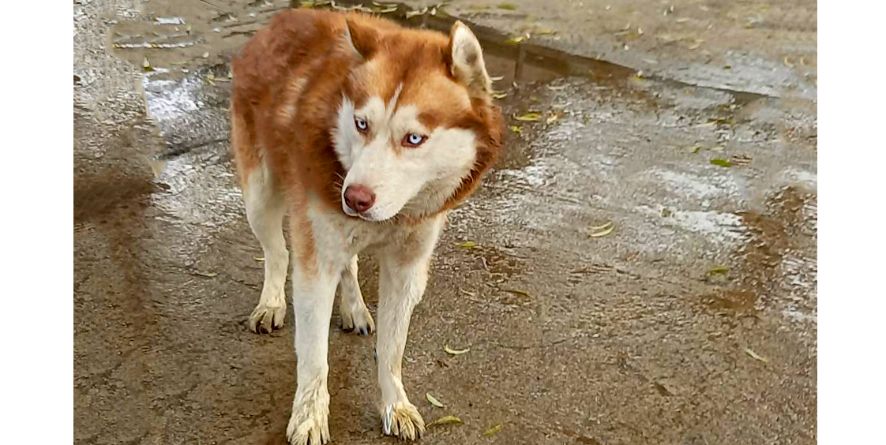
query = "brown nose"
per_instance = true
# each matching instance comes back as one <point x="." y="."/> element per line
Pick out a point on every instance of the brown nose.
<point x="359" y="198"/>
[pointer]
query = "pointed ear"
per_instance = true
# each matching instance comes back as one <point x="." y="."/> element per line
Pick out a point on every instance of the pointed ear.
<point x="361" y="40"/>
<point x="467" y="61"/>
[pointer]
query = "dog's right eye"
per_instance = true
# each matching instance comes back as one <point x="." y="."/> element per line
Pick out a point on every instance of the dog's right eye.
<point x="362" y="125"/>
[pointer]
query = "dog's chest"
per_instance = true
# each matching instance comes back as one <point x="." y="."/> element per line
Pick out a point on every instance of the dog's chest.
<point x="360" y="236"/>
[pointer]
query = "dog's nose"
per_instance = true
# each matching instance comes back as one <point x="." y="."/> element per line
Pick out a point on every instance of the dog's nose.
<point x="359" y="198"/>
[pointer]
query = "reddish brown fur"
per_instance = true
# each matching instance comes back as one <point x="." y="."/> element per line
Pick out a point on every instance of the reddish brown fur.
<point x="301" y="60"/>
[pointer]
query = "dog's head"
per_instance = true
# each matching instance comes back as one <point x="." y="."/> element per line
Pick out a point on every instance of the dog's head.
<point x="416" y="128"/>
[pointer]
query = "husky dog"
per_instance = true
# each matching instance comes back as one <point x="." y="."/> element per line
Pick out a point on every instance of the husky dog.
<point x="365" y="134"/>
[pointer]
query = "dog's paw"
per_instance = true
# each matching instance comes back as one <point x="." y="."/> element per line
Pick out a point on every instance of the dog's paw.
<point x="309" y="425"/>
<point x="359" y="321"/>
<point x="265" y="318"/>
<point x="402" y="420"/>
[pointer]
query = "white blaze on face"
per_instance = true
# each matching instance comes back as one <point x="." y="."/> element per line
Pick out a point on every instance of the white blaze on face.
<point x="414" y="180"/>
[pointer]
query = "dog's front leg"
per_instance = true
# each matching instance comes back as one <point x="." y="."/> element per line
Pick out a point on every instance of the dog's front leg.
<point x="314" y="279"/>
<point x="403" y="275"/>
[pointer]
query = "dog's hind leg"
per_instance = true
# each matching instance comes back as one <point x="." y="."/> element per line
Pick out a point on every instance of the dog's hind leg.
<point x="265" y="211"/>
<point x="355" y="315"/>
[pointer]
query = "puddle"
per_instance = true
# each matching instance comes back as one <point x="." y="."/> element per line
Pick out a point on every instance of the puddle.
<point x="777" y="259"/>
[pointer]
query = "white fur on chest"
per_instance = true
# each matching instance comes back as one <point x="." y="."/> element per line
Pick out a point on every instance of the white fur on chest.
<point x="340" y="237"/>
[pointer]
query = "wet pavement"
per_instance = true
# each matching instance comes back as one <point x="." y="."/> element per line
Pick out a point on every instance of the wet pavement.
<point x="692" y="321"/>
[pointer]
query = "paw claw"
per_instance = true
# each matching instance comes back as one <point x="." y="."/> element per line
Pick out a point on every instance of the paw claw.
<point x="308" y="423"/>
<point x="264" y="319"/>
<point x="359" y="321"/>
<point x="403" y="421"/>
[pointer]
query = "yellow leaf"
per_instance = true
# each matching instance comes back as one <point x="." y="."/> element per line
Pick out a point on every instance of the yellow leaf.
<point x="530" y="116"/>
<point x="467" y="245"/>
<point x="719" y="270"/>
<point x="516" y="129"/>
<point x="603" y="230"/>
<point x="493" y="430"/>
<point x="446" y="420"/>
<point x="433" y="401"/>
<point x="756" y="356"/>
<point x="518" y="292"/>
<point x="601" y="227"/>
<point x="451" y="351"/>
<point x="516" y="40"/>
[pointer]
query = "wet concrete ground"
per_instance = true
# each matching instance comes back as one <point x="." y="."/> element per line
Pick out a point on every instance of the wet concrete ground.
<point x="693" y="321"/>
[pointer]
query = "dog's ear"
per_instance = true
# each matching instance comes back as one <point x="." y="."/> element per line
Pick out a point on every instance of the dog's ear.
<point x="361" y="40"/>
<point x="466" y="63"/>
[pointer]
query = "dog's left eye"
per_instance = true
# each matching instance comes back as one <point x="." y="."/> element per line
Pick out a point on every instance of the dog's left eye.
<point x="414" y="140"/>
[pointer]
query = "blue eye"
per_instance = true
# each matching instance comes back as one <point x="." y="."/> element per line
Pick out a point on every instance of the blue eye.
<point x="361" y="124"/>
<point x="414" y="140"/>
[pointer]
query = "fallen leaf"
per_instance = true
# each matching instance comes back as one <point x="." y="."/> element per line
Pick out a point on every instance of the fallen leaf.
<point x="446" y="420"/>
<point x="531" y="116"/>
<point x="721" y="162"/>
<point x="516" y="129"/>
<point x="552" y="118"/>
<point x="756" y="356"/>
<point x="146" y="66"/>
<point x="695" y="149"/>
<point x="499" y="94"/>
<point x="507" y="6"/>
<point x="205" y="274"/>
<point x="663" y="390"/>
<point x="417" y="12"/>
<point x="719" y="270"/>
<point x="601" y="227"/>
<point x="741" y="159"/>
<point x="384" y="10"/>
<point x="433" y="400"/>
<point x="467" y="245"/>
<point x="603" y="232"/>
<point x="516" y="40"/>
<point x="518" y="292"/>
<point x="493" y="430"/>
<point x="496" y="78"/>
<point x="451" y="351"/>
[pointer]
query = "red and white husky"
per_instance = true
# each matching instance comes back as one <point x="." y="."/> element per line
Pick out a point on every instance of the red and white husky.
<point x="366" y="134"/>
